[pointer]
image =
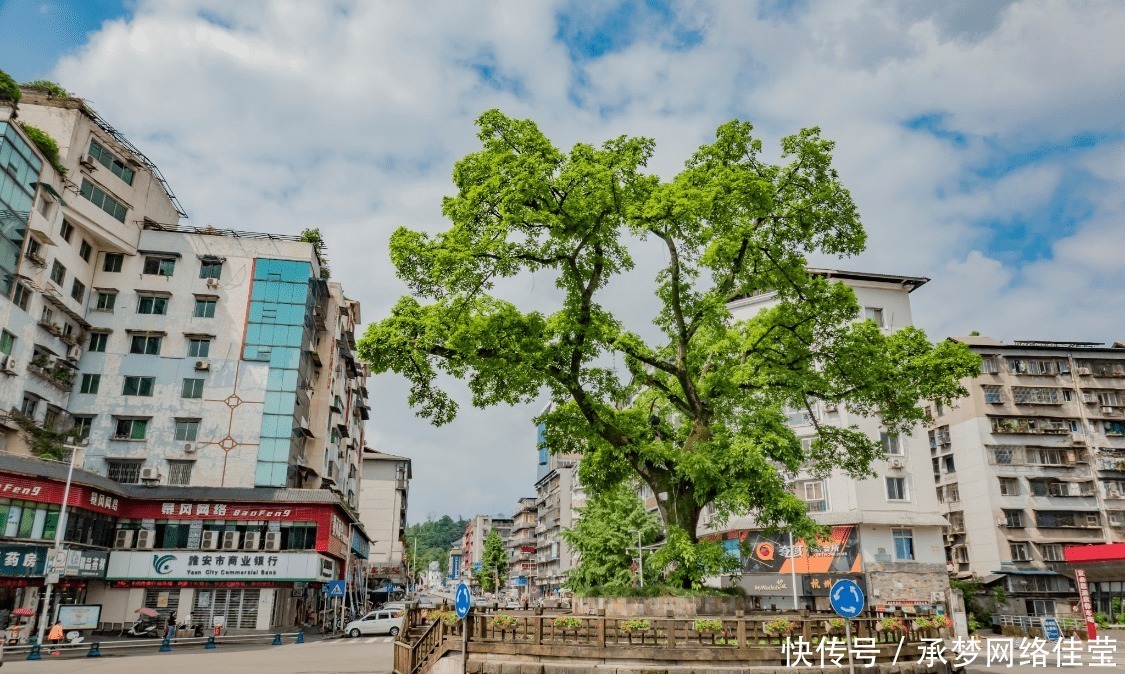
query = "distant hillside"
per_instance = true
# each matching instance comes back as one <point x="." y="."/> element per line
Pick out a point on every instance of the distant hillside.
<point x="435" y="538"/>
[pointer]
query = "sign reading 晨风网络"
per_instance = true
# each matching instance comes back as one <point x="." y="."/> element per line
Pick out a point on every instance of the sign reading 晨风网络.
<point x="214" y="565"/>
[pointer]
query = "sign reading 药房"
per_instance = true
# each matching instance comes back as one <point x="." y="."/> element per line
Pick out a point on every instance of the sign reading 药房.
<point x="215" y="565"/>
<point x="22" y="560"/>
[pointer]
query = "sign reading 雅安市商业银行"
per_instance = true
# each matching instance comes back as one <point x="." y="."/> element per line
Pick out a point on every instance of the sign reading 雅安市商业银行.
<point x="216" y="565"/>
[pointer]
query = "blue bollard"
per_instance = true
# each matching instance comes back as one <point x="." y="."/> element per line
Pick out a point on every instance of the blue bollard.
<point x="210" y="643"/>
<point x="300" y="637"/>
<point x="276" y="639"/>
<point x="34" y="654"/>
<point x="95" y="650"/>
<point x="166" y="645"/>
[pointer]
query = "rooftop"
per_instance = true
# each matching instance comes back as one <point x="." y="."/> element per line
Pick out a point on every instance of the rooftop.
<point x="1038" y="344"/>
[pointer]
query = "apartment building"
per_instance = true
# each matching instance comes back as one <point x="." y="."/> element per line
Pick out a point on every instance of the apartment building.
<point x="385" y="486"/>
<point x="472" y="543"/>
<point x="1032" y="461"/>
<point x="209" y="375"/>
<point x="886" y="531"/>
<point x="521" y="546"/>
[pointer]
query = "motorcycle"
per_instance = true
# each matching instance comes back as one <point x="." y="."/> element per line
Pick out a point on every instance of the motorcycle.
<point x="145" y="629"/>
<point x="196" y="629"/>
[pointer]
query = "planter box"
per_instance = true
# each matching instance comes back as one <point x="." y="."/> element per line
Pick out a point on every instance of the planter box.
<point x="680" y="607"/>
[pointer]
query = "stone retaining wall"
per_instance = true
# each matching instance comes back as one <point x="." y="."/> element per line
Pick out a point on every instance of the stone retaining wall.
<point x="681" y="607"/>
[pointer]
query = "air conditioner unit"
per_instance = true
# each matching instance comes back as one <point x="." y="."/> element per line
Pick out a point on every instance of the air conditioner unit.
<point x="230" y="540"/>
<point x="1112" y="492"/>
<point x="212" y="283"/>
<point x="1089" y="398"/>
<point x="87" y="162"/>
<point x="145" y="539"/>
<point x="273" y="540"/>
<point x="150" y="474"/>
<point x="189" y="448"/>
<point x="203" y="365"/>
<point x="1077" y="438"/>
<point x="74" y="353"/>
<point x="937" y="596"/>
<point x="252" y="541"/>
<point x="897" y="463"/>
<point x="124" y="538"/>
<point x="9" y="364"/>
<point x="1085" y="371"/>
<point x="829" y="407"/>
<point x="210" y="540"/>
<point x="1001" y="521"/>
<point x="1106" y="409"/>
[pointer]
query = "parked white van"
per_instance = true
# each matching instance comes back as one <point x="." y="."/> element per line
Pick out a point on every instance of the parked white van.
<point x="376" y="622"/>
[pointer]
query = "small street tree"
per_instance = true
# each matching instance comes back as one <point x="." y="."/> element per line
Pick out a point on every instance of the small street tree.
<point x="606" y="537"/>
<point x="697" y="412"/>
<point x="493" y="571"/>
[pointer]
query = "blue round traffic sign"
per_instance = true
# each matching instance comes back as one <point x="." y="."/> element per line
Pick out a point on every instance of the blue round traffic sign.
<point x="846" y="598"/>
<point x="462" y="600"/>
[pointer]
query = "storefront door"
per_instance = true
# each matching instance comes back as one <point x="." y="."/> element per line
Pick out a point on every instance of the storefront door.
<point x="238" y="607"/>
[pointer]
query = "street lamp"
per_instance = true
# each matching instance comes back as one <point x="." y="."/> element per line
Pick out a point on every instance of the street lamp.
<point x="60" y="529"/>
<point x="640" y="555"/>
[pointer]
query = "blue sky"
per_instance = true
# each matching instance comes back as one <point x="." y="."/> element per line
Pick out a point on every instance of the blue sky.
<point x="984" y="142"/>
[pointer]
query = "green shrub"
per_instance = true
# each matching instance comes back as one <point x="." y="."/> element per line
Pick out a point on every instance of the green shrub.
<point x="46" y="145"/>
<point x="703" y="625"/>
<point x="567" y="622"/>
<point x="651" y="590"/>
<point x="48" y="87"/>
<point x="9" y="90"/>
<point x="503" y="621"/>
<point x="1102" y="619"/>
<point x="635" y="625"/>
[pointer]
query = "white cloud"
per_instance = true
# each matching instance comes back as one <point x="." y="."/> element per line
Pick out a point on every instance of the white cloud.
<point x="348" y="117"/>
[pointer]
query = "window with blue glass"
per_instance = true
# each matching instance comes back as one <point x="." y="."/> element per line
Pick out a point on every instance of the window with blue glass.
<point x="19" y="170"/>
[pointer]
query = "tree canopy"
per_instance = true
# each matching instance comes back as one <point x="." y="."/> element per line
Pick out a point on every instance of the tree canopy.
<point x="696" y="413"/>
<point x="606" y="537"/>
<point x="493" y="572"/>
<point x="434" y="540"/>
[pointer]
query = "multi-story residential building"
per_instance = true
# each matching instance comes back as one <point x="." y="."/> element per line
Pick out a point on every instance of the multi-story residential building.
<point x="454" y="564"/>
<point x="553" y="492"/>
<point x="521" y="546"/>
<point x="472" y="543"/>
<point x="886" y="532"/>
<point x="213" y="367"/>
<point x="1032" y="461"/>
<point x="385" y="487"/>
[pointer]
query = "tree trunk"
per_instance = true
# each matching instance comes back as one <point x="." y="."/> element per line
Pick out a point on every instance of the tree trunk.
<point x="680" y="510"/>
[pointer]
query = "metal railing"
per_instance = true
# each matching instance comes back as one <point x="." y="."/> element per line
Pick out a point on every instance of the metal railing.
<point x="153" y="644"/>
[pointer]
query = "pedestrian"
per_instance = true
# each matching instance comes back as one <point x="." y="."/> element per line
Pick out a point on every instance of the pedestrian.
<point x="170" y="630"/>
<point x="55" y="636"/>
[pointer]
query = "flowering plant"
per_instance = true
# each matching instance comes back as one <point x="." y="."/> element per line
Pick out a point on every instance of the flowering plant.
<point x="567" y="622"/>
<point x="892" y="625"/>
<point x="503" y="621"/>
<point x="708" y="625"/>
<point x="447" y="617"/>
<point x="635" y="625"/>
<point x="923" y="623"/>
<point x="779" y="626"/>
<point x="834" y="624"/>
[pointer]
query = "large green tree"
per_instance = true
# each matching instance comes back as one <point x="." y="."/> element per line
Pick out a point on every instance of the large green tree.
<point x="607" y="532"/>
<point x="697" y="412"/>
<point x="493" y="572"/>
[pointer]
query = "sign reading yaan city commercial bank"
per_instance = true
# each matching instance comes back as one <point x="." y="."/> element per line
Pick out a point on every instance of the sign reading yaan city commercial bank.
<point x="215" y="565"/>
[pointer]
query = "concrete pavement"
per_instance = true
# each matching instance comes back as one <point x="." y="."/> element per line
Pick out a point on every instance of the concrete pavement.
<point x="331" y="656"/>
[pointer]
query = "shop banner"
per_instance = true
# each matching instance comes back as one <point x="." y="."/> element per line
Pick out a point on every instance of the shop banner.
<point x="1087" y="605"/>
<point x="216" y="565"/>
<point x="85" y="564"/>
<point x="838" y="553"/>
<point x="767" y="585"/>
<point x="22" y="560"/>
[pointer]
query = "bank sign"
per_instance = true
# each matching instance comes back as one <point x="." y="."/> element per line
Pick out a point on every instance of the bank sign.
<point x="215" y="565"/>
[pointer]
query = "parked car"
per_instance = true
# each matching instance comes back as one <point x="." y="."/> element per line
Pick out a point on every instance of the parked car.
<point x="511" y="603"/>
<point x="393" y="606"/>
<point x="480" y="602"/>
<point x="382" y="621"/>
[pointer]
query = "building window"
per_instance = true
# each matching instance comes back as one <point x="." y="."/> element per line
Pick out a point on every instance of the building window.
<point x="892" y="444"/>
<point x="130" y="429"/>
<point x="58" y="273"/>
<point x="1114" y="427"/>
<point x="106" y="300"/>
<point x="34" y="250"/>
<point x="988" y="365"/>
<point x="179" y="472"/>
<point x="7" y="342"/>
<point x="78" y="291"/>
<point x="948" y="465"/>
<point x="102" y="200"/>
<point x="160" y="266"/>
<point x="896" y="488"/>
<point x="1035" y="395"/>
<point x="115" y="165"/>
<point x="152" y="304"/>
<point x="1013" y="519"/>
<point x="112" y="262"/>
<point x="904" y="544"/>
<point x="125" y="472"/>
<point x="205" y="308"/>
<point x="952" y="493"/>
<point x="1009" y="486"/>
<point x="875" y="315"/>
<point x="211" y="269"/>
<point x="138" y="386"/>
<point x="1018" y="552"/>
<point x="30" y="404"/>
<point x="192" y="388"/>
<point x="85" y="250"/>
<point x="993" y="394"/>
<point x="98" y="341"/>
<point x="82" y="426"/>
<point x="1107" y="398"/>
<point x="187" y="430"/>
<point x="1051" y="552"/>
<point x="66" y="230"/>
<point x="21" y="296"/>
<point x="1003" y="456"/>
<point x="90" y="383"/>
<point x="1029" y="366"/>
<point x="199" y="347"/>
<point x="146" y="344"/>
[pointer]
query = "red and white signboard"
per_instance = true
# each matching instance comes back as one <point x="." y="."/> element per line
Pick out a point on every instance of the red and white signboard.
<point x="1087" y="605"/>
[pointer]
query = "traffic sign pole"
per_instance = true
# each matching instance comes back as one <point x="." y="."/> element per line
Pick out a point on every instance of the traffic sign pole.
<point x="848" y="641"/>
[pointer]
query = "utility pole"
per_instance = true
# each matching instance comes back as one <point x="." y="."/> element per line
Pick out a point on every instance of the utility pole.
<point x="60" y="530"/>
<point x="793" y="571"/>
